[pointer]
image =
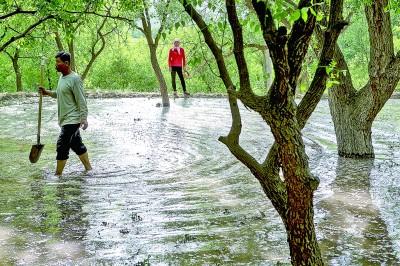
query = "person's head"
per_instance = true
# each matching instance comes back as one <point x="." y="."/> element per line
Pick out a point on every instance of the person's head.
<point x="63" y="61"/>
<point x="177" y="43"/>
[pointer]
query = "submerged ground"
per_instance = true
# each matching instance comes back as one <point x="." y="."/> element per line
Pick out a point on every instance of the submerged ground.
<point x="164" y="191"/>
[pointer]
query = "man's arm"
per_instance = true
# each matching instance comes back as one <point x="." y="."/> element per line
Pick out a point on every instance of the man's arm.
<point x="81" y="101"/>
<point x="45" y="92"/>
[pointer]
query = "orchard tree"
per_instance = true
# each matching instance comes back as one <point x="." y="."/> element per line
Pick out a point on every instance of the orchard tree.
<point x="291" y="195"/>
<point x="354" y="110"/>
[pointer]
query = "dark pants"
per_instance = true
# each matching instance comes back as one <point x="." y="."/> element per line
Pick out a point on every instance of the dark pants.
<point x="69" y="138"/>
<point x="178" y="70"/>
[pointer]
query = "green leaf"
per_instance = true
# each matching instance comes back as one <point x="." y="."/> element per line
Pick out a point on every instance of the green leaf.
<point x="304" y="14"/>
<point x="319" y="17"/>
<point x="295" y="15"/>
<point x="313" y="11"/>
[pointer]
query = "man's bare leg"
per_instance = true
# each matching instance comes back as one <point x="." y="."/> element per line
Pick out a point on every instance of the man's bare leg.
<point x="85" y="161"/>
<point x="60" y="166"/>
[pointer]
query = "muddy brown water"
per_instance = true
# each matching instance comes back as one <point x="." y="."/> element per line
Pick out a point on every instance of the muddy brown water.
<point x="164" y="191"/>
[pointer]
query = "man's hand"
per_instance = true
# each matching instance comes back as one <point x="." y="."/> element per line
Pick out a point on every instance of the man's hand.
<point x="84" y="124"/>
<point x="43" y="91"/>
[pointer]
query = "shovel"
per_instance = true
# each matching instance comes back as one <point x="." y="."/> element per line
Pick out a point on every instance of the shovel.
<point x="36" y="149"/>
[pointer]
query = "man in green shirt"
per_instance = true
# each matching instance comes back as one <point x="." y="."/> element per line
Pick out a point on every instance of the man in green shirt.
<point x="72" y="113"/>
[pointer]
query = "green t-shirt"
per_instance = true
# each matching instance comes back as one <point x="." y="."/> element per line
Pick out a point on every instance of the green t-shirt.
<point x="71" y="102"/>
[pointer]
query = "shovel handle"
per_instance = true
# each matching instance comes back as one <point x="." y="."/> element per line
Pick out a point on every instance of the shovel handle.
<point x="40" y="101"/>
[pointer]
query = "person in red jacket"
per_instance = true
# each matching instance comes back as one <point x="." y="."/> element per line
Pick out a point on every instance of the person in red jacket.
<point x="177" y="63"/>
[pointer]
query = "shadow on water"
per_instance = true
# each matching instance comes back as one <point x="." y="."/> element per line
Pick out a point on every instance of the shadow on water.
<point x="352" y="221"/>
<point x="43" y="221"/>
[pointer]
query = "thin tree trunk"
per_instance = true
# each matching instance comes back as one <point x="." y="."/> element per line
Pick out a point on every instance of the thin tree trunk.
<point x="58" y="41"/>
<point x="160" y="76"/>
<point x="153" y="56"/>
<point x="17" y="70"/>
<point x="72" y="52"/>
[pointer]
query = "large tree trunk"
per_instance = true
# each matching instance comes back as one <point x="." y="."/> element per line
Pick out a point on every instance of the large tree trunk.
<point x="353" y="112"/>
<point x="300" y="186"/>
<point x="303" y="244"/>
<point x="352" y="127"/>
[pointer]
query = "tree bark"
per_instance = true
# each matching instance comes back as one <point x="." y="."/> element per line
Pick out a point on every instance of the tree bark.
<point x="353" y="112"/>
<point x="160" y="77"/>
<point x="72" y="52"/>
<point x="153" y="44"/>
<point x="17" y="70"/>
<point x="58" y="41"/>
<point x="352" y="126"/>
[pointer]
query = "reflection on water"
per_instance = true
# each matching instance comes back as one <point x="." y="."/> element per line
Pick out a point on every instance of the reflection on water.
<point x="351" y="219"/>
<point x="164" y="191"/>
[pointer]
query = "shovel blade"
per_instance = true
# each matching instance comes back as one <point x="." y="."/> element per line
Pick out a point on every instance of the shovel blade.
<point x="36" y="150"/>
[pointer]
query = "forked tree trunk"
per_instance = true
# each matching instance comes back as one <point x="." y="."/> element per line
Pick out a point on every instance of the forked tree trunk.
<point x="293" y="196"/>
<point x="353" y="112"/>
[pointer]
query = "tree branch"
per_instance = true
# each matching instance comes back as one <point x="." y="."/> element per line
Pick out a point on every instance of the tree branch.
<point x="237" y="32"/>
<point x="298" y="43"/>
<point x="276" y="40"/>
<point x="162" y="26"/>
<point x="128" y="20"/>
<point x="318" y="84"/>
<point x="380" y="37"/>
<point x="26" y="32"/>
<point x="16" y="12"/>
<point x="94" y="53"/>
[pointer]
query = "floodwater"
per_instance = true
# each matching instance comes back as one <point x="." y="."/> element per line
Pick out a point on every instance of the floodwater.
<point x="164" y="191"/>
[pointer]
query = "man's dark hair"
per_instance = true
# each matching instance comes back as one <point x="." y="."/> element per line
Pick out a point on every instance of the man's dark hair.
<point x="64" y="56"/>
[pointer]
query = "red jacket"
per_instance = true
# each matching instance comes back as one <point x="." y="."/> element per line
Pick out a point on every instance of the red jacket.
<point x="176" y="59"/>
